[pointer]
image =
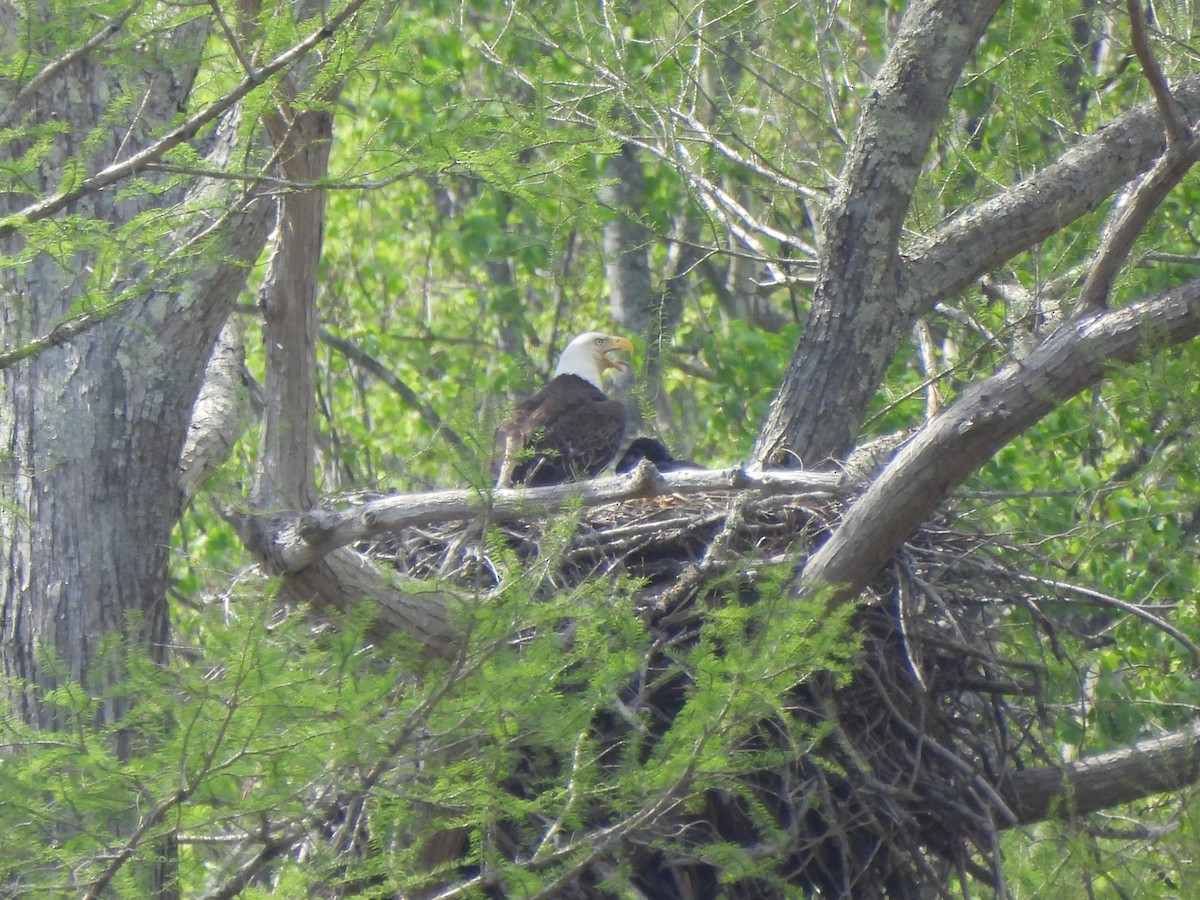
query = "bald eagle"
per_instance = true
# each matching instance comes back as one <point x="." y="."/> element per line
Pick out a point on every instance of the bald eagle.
<point x="571" y="429"/>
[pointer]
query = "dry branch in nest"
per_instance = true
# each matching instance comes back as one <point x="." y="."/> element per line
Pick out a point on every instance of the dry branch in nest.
<point x="911" y="784"/>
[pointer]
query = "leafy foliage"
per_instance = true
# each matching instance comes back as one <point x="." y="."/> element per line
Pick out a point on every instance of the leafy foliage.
<point x="465" y="242"/>
<point x="278" y="726"/>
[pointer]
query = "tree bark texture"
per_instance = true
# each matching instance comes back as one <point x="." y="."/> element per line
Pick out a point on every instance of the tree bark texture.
<point x="858" y="316"/>
<point x="220" y="415"/>
<point x="964" y="249"/>
<point x="1156" y="765"/>
<point x="91" y="428"/>
<point x="990" y="413"/>
<point x="980" y="238"/>
<point x="288" y="300"/>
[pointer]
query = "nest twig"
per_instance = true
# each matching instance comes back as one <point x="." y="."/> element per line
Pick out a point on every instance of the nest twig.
<point x="909" y="787"/>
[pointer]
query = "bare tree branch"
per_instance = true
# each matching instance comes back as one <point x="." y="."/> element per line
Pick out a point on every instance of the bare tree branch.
<point x="1102" y="599"/>
<point x="288" y="300"/>
<point x="1131" y="218"/>
<point x="1176" y="122"/>
<point x="218" y="417"/>
<point x="287" y="543"/>
<point x="983" y="419"/>
<point x="1153" y="766"/>
<point x="1087" y="174"/>
<point x="857" y="322"/>
<point x="185" y="130"/>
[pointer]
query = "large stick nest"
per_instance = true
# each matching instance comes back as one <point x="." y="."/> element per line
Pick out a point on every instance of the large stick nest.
<point x="908" y="788"/>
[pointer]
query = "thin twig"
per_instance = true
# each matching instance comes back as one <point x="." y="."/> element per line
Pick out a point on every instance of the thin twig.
<point x="1132" y="609"/>
<point x="1168" y="105"/>
<point x="111" y="174"/>
<point x="1131" y="218"/>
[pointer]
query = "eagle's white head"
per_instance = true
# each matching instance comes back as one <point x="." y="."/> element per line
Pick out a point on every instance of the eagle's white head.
<point x="587" y="356"/>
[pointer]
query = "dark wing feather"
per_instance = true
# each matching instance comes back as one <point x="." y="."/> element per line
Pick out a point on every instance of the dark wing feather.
<point x="656" y="451"/>
<point x="570" y="430"/>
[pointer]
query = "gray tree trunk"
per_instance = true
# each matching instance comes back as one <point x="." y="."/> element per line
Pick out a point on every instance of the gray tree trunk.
<point x="92" y="426"/>
<point x="288" y="300"/>
<point x="626" y="255"/>
<point x="859" y="316"/>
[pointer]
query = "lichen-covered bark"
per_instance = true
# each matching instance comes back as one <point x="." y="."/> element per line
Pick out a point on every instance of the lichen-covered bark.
<point x="220" y="414"/>
<point x="857" y="319"/>
<point x="990" y="413"/>
<point x="91" y="428"/>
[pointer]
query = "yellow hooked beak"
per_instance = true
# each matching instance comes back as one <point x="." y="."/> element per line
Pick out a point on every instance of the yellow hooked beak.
<point x="615" y="344"/>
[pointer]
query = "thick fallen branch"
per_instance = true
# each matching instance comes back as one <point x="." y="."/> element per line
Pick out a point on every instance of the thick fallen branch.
<point x="287" y="543"/>
<point x="310" y="549"/>
<point x="343" y="579"/>
<point x="1088" y="785"/>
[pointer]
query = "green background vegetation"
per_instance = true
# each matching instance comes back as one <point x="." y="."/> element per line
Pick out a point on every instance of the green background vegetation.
<point x="454" y="160"/>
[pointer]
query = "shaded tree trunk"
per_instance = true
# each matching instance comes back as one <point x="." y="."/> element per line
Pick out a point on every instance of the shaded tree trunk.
<point x="626" y="259"/>
<point x="288" y="300"/>
<point x="92" y="427"/>
<point x="631" y="295"/>
<point x="93" y="423"/>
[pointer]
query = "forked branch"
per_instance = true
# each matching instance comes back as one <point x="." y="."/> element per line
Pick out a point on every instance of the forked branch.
<point x="1131" y="218"/>
<point x="965" y="434"/>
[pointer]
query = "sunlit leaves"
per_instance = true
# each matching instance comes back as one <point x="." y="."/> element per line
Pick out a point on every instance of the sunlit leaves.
<point x="274" y="717"/>
<point x="464" y="242"/>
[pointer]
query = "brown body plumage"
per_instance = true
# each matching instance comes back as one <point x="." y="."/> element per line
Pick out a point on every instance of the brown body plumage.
<point x="570" y="429"/>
